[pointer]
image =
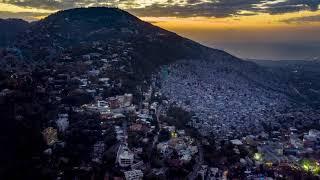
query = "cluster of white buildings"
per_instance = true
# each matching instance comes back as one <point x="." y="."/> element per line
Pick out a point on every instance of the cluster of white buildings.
<point x="224" y="102"/>
<point x="211" y="173"/>
<point x="112" y="107"/>
<point x="287" y="148"/>
<point x="180" y="143"/>
<point x="133" y="175"/>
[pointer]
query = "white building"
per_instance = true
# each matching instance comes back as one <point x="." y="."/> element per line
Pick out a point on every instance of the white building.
<point x="203" y="171"/>
<point x="236" y="142"/>
<point x="124" y="156"/>
<point x="102" y="104"/>
<point x="62" y="122"/>
<point x="128" y="100"/>
<point x="164" y="149"/>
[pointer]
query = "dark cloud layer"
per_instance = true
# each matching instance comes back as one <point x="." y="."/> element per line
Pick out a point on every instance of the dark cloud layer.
<point x="213" y="8"/>
<point x="293" y="6"/>
<point x="48" y="4"/>
<point x="303" y="20"/>
<point x="222" y="8"/>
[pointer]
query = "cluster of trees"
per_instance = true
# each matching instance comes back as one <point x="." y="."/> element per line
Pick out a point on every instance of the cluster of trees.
<point x="22" y="119"/>
<point x="178" y="117"/>
<point x="164" y="135"/>
<point x="10" y="28"/>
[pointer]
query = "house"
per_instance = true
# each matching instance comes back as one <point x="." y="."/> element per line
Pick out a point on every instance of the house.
<point x="102" y="104"/>
<point x="203" y="171"/>
<point x="135" y="127"/>
<point x="164" y="149"/>
<point x="62" y="122"/>
<point x="50" y="135"/>
<point x="124" y="156"/>
<point x="185" y="155"/>
<point x="120" y="134"/>
<point x="170" y="128"/>
<point x="213" y="173"/>
<point x="138" y="165"/>
<point x="113" y="102"/>
<point x="296" y="142"/>
<point x="236" y="142"/>
<point x="127" y="100"/>
<point x="133" y="175"/>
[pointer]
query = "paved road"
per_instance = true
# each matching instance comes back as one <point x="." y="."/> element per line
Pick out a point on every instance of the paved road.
<point x="155" y="138"/>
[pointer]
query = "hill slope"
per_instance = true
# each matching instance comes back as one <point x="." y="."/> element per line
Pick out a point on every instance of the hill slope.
<point x="81" y="56"/>
<point x="303" y="76"/>
<point x="113" y="32"/>
<point x="10" y="28"/>
<point x="117" y="45"/>
<point x="225" y="102"/>
<point x="79" y="31"/>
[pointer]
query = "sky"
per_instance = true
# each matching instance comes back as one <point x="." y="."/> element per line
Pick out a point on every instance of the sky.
<point x="249" y="29"/>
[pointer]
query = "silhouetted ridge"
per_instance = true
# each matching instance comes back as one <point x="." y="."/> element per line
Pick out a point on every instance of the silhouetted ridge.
<point x="109" y="31"/>
<point x="68" y="28"/>
<point x="10" y="28"/>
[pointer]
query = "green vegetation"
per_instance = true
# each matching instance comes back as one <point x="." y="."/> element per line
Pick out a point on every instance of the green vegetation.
<point x="310" y="166"/>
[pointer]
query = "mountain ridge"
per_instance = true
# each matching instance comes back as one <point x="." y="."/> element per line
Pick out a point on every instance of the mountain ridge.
<point x="10" y="28"/>
<point x="141" y="45"/>
<point x="92" y="24"/>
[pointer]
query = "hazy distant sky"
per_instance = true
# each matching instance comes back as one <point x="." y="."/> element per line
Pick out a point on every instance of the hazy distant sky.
<point x="260" y="29"/>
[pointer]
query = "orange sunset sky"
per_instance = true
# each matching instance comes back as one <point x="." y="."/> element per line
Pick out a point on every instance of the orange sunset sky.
<point x="256" y="29"/>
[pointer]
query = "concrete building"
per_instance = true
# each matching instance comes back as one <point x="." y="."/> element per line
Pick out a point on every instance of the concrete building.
<point x="62" y="122"/>
<point x="202" y="172"/>
<point x="128" y="99"/>
<point x="50" y="135"/>
<point x="113" y="102"/>
<point x="133" y="175"/>
<point x="124" y="156"/>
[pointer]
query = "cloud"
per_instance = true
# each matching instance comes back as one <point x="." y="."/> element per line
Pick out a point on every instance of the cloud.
<point x="49" y="4"/>
<point x="181" y="8"/>
<point x="292" y="6"/>
<point x="28" y="16"/>
<point x="225" y="8"/>
<point x="303" y="20"/>
<point x="222" y="8"/>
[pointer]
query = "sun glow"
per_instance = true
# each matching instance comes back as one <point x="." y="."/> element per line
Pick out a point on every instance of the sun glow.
<point x="261" y="20"/>
<point x="19" y="9"/>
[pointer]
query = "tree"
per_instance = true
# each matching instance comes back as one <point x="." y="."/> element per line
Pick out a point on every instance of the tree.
<point x="179" y="117"/>
<point x="164" y="135"/>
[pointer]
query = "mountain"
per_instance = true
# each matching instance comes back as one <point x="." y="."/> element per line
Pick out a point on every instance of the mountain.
<point x="300" y="74"/>
<point x="10" y="28"/>
<point x="85" y="28"/>
<point x="114" y="32"/>
<point x="60" y="75"/>
<point x="108" y="42"/>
